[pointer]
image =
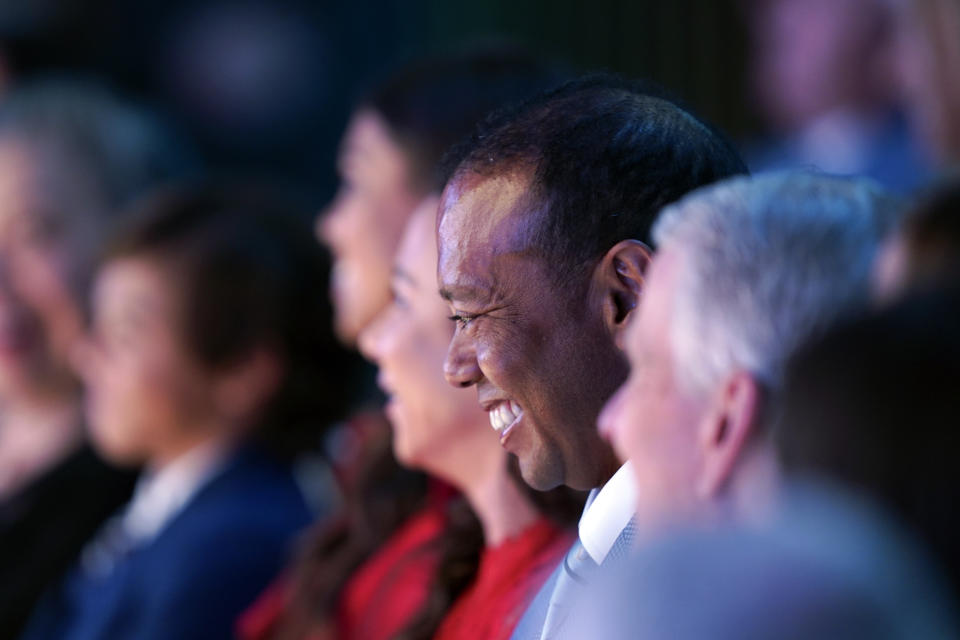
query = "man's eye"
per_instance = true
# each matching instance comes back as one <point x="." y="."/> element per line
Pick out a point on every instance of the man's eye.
<point x="462" y="319"/>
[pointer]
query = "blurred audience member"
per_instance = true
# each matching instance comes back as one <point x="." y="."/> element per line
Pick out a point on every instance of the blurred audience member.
<point x="929" y="68"/>
<point x="830" y="568"/>
<point x="872" y="406"/>
<point x="541" y="259"/>
<point x="389" y="163"/>
<point x="823" y="78"/>
<point x="924" y="253"/>
<point x="746" y="271"/>
<point x="485" y="564"/>
<point x="212" y="358"/>
<point x="71" y="156"/>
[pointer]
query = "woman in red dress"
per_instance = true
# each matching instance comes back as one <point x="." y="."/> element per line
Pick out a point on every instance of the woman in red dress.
<point x="501" y="543"/>
<point x="466" y="567"/>
<point x="353" y="581"/>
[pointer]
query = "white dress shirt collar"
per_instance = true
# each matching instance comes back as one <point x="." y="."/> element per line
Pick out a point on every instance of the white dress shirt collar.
<point x="607" y="513"/>
<point x="161" y="495"/>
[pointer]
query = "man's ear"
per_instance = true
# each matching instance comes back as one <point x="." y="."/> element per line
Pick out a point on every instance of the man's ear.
<point x="242" y="391"/>
<point x="619" y="280"/>
<point x="727" y="430"/>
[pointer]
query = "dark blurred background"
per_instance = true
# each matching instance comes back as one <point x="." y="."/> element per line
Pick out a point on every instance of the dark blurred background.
<point x="264" y="88"/>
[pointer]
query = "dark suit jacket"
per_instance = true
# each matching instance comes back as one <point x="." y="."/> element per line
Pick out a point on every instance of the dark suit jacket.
<point x="44" y="527"/>
<point x="202" y="570"/>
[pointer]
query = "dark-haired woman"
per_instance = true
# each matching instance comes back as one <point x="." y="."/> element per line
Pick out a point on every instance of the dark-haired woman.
<point x="490" y="550"/>
<point x="211" y="353"/>
<point x="390" y="156"/>
<point x="366" y="573"/>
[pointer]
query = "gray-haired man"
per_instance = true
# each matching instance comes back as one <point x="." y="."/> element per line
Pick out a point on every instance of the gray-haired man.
<point x="746" y="271"/>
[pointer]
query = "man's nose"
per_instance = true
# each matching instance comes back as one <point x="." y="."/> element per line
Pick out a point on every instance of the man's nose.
<point x="460" y="366"/>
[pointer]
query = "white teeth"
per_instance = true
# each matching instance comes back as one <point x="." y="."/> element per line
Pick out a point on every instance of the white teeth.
<point x="503" y="415"/>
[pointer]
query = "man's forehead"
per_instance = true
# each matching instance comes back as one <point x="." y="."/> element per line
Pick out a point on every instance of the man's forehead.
<point x="488" y="213"/>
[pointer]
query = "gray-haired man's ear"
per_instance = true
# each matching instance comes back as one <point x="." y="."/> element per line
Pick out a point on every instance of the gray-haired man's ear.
<point x="726" y="431"/>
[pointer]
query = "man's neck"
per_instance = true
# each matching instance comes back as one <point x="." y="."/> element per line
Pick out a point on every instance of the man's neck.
<point x="752" y="494"/>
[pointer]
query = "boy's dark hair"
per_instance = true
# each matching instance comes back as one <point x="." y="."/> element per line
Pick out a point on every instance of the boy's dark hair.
<point x="250" y="275"/>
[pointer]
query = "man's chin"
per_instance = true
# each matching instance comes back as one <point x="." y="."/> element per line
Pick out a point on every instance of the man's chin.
<point x="539" y="476"/>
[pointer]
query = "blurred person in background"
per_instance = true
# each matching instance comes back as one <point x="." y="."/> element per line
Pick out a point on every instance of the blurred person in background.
<point x="823" y="77"/>
<point x="871" y="407"/>
<point x="211" y="359"/>
<point x="924" y="252"/>
<point x="486" y="554"/>
<point x="833" y="568"/>
<point x="928" y="55"/>
<point x="71" y="157"/>
<point x="389" y="161"/>
<point x="746" y="271"/>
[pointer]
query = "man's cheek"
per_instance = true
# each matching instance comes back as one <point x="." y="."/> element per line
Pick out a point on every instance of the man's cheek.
<point x="501" y="357"/>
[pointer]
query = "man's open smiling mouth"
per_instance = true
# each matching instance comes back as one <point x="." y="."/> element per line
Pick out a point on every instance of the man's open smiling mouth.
<point x="504" y="416"/>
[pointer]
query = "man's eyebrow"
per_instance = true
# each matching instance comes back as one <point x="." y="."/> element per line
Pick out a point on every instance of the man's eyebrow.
<point x="464" y="292"/>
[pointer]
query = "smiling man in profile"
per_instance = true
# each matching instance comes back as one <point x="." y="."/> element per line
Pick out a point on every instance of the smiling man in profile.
<point x="543" y="245"/>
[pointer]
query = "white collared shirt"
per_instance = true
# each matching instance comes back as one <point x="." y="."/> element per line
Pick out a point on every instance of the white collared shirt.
<point x="158" y="498"/>
<point x="607" y="513"/>
<point x="161" y="495"/>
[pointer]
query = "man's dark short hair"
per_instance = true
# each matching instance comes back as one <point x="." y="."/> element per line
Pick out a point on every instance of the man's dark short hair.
<point x="604" y="155"/>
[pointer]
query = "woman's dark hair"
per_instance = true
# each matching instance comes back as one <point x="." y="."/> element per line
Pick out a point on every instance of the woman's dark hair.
<point x="427" y="106"/>
<point x="379" y="495"/>
<point x="457" y="551"/>
<point x="432" y="104"/>
<point x="250" y="275"/>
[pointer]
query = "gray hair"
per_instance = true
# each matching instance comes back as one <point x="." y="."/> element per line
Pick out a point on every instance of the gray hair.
<point x="768" y="262"/>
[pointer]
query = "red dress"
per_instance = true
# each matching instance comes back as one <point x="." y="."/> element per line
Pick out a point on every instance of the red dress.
<point x="381" y="598"/>
<point x="508" y="578"/>
<point x="387" y="592"/>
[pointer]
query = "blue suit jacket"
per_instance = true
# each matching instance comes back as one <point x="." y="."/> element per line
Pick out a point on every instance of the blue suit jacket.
<point x="203" y="569"/>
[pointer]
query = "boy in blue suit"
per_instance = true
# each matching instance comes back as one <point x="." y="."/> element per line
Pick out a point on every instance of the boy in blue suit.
<point x="210" y="357"/>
